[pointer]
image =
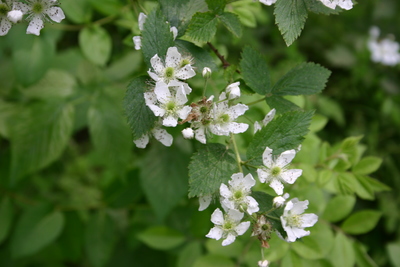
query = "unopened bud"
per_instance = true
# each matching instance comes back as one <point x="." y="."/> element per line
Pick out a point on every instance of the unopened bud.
<point x="188" y="133"/>
<point x="15" y="16"/>
<point x="263" y="263"/>
<point x="233" y="90"/>
<point x="206" y="72"/>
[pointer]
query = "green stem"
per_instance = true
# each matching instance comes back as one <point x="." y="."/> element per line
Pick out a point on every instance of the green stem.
<point x="205" y="87"/>
<point x="257" y="101"/>
<point x="238" y="159"/>
<point x="272" y="217"/>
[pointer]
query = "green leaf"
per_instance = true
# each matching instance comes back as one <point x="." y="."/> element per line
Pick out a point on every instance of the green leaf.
<point x="361" y="222"/>
<point x="217" y="6"/>
<point x="214" y="247"/>
<point x="346" y="183"/>
<point x="106" y="124"/>
<point x="39" y="136"/>
<point x="318" y="123"/>
<point x="283" y="133"/>
<point x="202" y="27"/>
<point x="350" y="147"/>
<point x="6" y="215"/>
<point x="291" y="259"/>
<point x="211" y="260"/>
<point x="189" y="254"/>
<point x="156" y="36"/>
<point x="72" y="238"/>
<point x="232" y="23"/>
<point x="140" y="118"/>
<point x="255" y="71"/>
<point x="339" y="208"/>
<point x="161" y="237"/>
<point x="363" y="187"/>
<point x="342" y="254"/>
<point x="212" y="165"/>
<point x="394" y="252"/>
<point x="96" y="44"/>
<point x="78" y="11"/>
<point x="201" y="57"/>
<point x="281" y="104"/>
<point x="164" y="177"/>
<point x="122" y="68"/>
<point x="317" y="7"/>
<point x="324" y="177"/>
<point x="367" y="165"/>
<point x="290" y="15"/>
<point x="107" y="7"/>
<point x="179" y="12"/>
<point x="55" y="84"/>
<point x="100" y="238"/>
<point x="304" y="79"/>
<point x="362" y="258"/>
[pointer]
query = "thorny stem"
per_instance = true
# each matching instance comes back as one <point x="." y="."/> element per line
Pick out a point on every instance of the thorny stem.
<point x="225" y="63"/>
<point x="238" y="159"/>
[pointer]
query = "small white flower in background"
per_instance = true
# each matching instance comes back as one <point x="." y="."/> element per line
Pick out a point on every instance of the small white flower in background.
<point x="275" y="171"/>
<point x="204" y="202"/>
<point x="228" y="226"/>
<point x="166" y="105"/>
<point x="268" y="2"/>
<point x="263" y="263"/>
<point x="5" y="22"/>
<point x="385" y="51"/>
<point x="137" y="41"/>
<point x="345" y="4"/>
<point x="141" y="20"/>
<point x="294" y="222"/>
<point x="237" y="195"/>
<point x="159" y="134"/>
<point x="38" y="12"/>
<point x="173" y="69"/>
<point x="188" y="133"/>
<point x="279" y="201"/>
<point x="259" y="125"/>
<point x="233" y="90"/>
<point x="15" y="16"/>
<point x="206" y="72"/>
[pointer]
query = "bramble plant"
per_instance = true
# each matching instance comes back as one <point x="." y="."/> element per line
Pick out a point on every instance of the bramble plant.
<point x="234" y="134"/>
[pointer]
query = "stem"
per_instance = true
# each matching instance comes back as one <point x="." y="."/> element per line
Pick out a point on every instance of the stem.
<point x="205" y="87"/>
<point x="257" y="101"/>
<point x="225" y="63"/>
<point x="238" y="159"/>
<point x="272" y="217"/>
<point x="67" y="27"/>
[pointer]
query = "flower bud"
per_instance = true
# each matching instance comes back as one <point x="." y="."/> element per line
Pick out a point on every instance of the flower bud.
<point x="206" y="72"/>
<point x="15" y="15"/>
<point x="263" y="263"/>
<point x="280" y="200"/>
<point x="137" y="40"/>
<point x="233" y="90"/>
<point x="188" y="133"/>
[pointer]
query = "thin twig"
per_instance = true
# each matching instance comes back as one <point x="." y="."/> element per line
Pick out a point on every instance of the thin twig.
<point x="225" y="63"/>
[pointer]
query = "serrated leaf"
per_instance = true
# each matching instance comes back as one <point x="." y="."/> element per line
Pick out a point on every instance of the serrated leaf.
<point x="140" y="118"/>
<point x="283" y="133"/>
<point x="164" y="177"/>
<point x="361" y="222"/>
<point x="290" y="15"/>
<point x="202" y="27"/>
<point x="109" y="132"/>
<point x="232" y="23"/>
<point x="281" y="104"/>
<point x="367" y="165"/>
<point x="212" y="165"/>
<point x="304" y="79"/>
<point x="342" y="254"/>
<point x="317" y="7"/>
<point x="156" y="36"/>
<point x="96" y="44"/>
<point x="217" y="6"/>
<point x="338" y="208"/>
<point x="161" y="237"/>
<point x="6" y="215"/>
<point x="255" y="71"/>
<point x="201" y="57"/>
<point x="39" y="136"/>
<point x="100" y="238"/>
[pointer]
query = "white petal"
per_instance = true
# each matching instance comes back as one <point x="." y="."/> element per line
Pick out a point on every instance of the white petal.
<point x="157" y="64"/>
<point x="229" y="240"/>
<point x="184" y="112"/>
<point x="154" y="76"/>
<point x="277" y="186"/>
<point x="15" y="16"/>
<point x="200" y="135"/>
<point x="55" y="13"/>
<point x="298" y="206"/>
<point x="162" y="136"/>
<point x="188" y="133"/>
<point x="150" y="98"/>
<point x="290" y="176"/>
<point x="263" y="176"/>
<point x="267" y="2"/>
<point x="227" y="204"/>
<point x="267" y="157"/>
<point x="299" y="232"/>
<point x="236" y="128"/>
<point x="21" y="6"/>
<point x="237" y="110"/>
<point x="248" y="181"/>
<point x="186" y="87"/>
<point x="257" y="127"/>
<point x="236" y="180"/>
<point x="217" y="217"/>
<point x="252" y="205"/>
<point x="137" y="41"/>
<point x="5" y="26"/>
<point x="173" y="57"/>
<point x="242" y="228"/>
<point x="285" y="158"/>
<point x="309" y="219"/>
<point x="185" y="73"/>
<point x="329" y="3"/>
<point x="162" y="92"/>
<point x="159" y="112"/>
<point x="224" y="191"/>
<point x="204" y="202"/>
<point x="346" y="4"/>
<point x="174" y="31"/>
<point x="269" y="117"/>
<point x="233" y="90"/>
<point x="170" y="121"/>
<point x="215" y="233"/>
<point x="141" y="20"/>
<point x="221" y="97"/>
<point x="180" y="96"/>
<point x="35" y="26"/>
<point x="142" y="141"/>
<point x="235" y="215"/>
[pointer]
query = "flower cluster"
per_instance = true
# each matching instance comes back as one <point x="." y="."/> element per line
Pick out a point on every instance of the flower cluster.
<point x="384" y="51"/>
<point x="36" y="11"/>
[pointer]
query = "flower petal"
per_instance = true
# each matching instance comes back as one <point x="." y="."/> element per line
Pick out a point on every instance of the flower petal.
<point x="21" y="6"/>
<point x="55" y="13"/>
<point x="248" y="181"/>
<point x="137" y="41"/>
<point x="142" y="141"/>
<point x="242" y="228"/>
<point x="298" y="206"/>
<point x="159" y="112"/>
<point x="257" y="127"/>
<point x="236" y="128"/>
<point x="263" y="176"/>
<point x="277" y="186"/>
<point x="252" y="205"/>
<point x="5" y="26"/>
<point x="141" y="20"/>
<point x="204" y="202"/>
<point x="267" y="157"/>
<point x="285" y="158"/>
<point x="215" y="233"/>
<point x="154" y="76"/>
<point x="185" y="73"/>
<point x="162" y="92"/>
<point x="173" y="57"/>
<point x="170" y="121"/>
<point x="235" y="215"/>
<point x="309" y="219"/>
<point x="269" y="117"/>
<point x="180" y="96"/>
<point x="217" y="217"/>
<point x="237" y="110"/>
<point x="35" y="26"/>
<point x="290" y="176"/>
<point x="229" y="240"/>
<point x="200" y="135"/>
<point x="224" y="191"/>
<point x="157" y="64"/>
<point x="162" y="136"/>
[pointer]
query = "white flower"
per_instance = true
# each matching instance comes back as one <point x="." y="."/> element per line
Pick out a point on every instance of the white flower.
<point x="224" y="118"/>
<point x="206" y="72"/>
<point x="204" y="202"/>
<point x="15" y="16"/>
<point x="294" y="222"/>
<point x="237" y="195"/>
<point x="263" y="263"/>
<point x="228" y="226"/>
<point x="141" y="20"/>
<point x="233" y="90"/>
<point x="5" y="23"/>
<point x="280" y="200"/>
<point x="159" y="134"/>
<point x="137" y="40"/>
<point x="385" y="51"/>
<point x="39" y="11"/>
<point x="345" y="4"/>
<point x="258" y="125"/>
<point x="188" y="133"/>
<point x="267" y="2"/>
<point x="166" y="105"/>
<point x="276" y="172"/>
<point x="173" y="69"/>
